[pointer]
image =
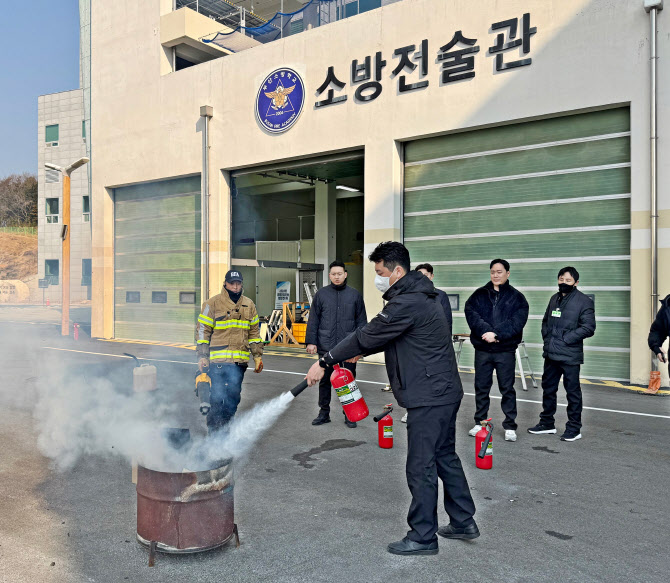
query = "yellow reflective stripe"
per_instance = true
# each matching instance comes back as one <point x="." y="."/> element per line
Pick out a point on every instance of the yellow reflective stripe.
<point x="232" y="324"/>
<point x="255" y="320"/>
<point x="255" y="340"/>
<point x="205" y="320"/>
<point x="229" y="354"/>
<point x="203" y="341"/>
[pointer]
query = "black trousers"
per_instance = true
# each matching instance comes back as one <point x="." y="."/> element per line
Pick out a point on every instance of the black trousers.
<point x="504" y="363"/>
<point x="325" y="389"/>
<point x="553" y="370"/>
<point x="431" y="453"/>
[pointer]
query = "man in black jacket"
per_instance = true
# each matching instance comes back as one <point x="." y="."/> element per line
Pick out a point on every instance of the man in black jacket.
<point x="660" y="329"/>
<point x="336" y="311"/>
<point x="496" y="314"/>
<point x="568" y="320"/>
<point x="420" y="362"/>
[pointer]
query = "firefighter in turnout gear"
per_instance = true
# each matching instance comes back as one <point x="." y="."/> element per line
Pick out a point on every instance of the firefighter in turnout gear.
<point x="227" y="333"/>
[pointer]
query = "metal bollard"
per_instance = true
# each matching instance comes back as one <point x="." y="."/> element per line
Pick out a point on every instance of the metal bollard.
<point x="76" y="331"/>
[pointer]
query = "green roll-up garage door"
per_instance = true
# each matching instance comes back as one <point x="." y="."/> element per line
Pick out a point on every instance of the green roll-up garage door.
<point x="543" y="195"/>
<point x="157" y="260"/>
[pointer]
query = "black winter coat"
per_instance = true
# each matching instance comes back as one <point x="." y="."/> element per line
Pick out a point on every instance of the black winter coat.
<point x="334" y="314"/>
<point x="661" y="327"/>
<point x="564" y="335"/>
<point x="443" y="298"/>
<point x="412" y="331"/>
<point x="505" y="315"/>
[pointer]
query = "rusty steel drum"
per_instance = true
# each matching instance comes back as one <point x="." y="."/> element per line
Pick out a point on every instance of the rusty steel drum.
<point x="185" y="512"/>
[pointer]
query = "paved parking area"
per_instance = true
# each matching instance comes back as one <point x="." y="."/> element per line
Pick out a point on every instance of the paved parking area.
<point x="321" y="503"/>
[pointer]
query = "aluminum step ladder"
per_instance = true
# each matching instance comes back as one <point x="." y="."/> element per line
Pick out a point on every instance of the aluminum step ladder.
<point x="519" y="360"/>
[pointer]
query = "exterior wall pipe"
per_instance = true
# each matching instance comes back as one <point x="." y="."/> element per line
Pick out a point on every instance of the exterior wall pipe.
<point x="652" y="7"/>
<point x="206" y="112"/>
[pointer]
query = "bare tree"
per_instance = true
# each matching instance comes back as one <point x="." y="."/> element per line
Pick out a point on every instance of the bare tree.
<point x="18" y="200"/>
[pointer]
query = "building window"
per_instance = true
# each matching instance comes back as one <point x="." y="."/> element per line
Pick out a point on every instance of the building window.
<point x="159" y="297"/>
<point x="51" y="271"/>
<point x="86" y="272"/>
<point x="454" y="301"/>
<point x="132" y="297"/>
<point x="86" y="206"/>
<point x="83" y="130"/>
<point x="52" y="175"/>
<point x="187" y="297"/>
<point x="51" y="135"/>
<point x="51" y="211"/>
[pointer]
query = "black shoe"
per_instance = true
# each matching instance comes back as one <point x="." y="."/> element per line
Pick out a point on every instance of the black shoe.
<point x="321" y="419"/>
<point x="409" y="547"/>
<point x="464" y="533"/>
<point x="541" y="428"/>
<point x="351" y="424"/>
<point x="571" y="436"/>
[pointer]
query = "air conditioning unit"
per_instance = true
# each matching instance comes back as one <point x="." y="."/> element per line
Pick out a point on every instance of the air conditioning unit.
<point x="52" y="144"/>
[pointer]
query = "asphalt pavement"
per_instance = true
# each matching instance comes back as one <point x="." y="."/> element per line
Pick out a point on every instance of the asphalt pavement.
<point x="321" y="503"/>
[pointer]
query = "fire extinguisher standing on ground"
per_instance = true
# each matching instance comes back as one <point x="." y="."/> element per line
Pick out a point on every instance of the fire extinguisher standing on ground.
<point x="351" y="399"/>
<point x="385" y="427"/>
<point x="484" y="446"/>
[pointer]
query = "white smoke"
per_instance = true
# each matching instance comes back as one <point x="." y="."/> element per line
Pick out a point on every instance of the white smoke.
<point x="75" y="418"/>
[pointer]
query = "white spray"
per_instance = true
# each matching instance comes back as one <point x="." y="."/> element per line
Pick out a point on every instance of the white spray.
<point x="77" y="418"/>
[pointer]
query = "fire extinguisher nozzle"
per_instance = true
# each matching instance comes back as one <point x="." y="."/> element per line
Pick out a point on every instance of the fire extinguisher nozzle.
<point x="295" y="391"/>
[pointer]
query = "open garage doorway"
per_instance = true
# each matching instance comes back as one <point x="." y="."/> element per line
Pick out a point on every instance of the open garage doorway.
<point x="289" y="221"/>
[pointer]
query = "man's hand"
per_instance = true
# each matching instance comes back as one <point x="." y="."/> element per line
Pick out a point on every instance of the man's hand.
<point x="662" y="356"/>
<point x="311" y="349"/>
<point x="258" y="361"/>
<point x="489" y="337"/>
<point x="203" y="364"/>
<point x="355" y="359"/>
<point x="314" y="374"/>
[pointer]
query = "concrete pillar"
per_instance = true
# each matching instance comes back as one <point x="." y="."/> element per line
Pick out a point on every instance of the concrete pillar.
<point x="325" y="221"/>
<point x="382" y="210"/>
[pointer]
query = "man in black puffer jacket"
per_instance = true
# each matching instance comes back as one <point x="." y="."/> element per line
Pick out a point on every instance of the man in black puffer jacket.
<point x="412" y="331"/>
<point x="496" y="314"/>
<point x="336" y="311"/>
<point x="569" y="319"/>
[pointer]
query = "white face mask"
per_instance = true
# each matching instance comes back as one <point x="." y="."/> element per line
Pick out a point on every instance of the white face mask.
<point x="382" y="283"/>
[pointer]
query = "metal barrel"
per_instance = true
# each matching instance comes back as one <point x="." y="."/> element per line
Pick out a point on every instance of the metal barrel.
<point x="185" y="512"/>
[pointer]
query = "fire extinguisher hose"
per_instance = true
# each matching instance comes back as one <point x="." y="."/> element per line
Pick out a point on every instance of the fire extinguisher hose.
<point x="482" y="451"/>
<point x="295" y="391"/>
<point x="378" y="418"/>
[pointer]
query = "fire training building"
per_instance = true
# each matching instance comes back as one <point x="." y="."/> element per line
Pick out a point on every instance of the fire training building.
<point x="518" y="129"/>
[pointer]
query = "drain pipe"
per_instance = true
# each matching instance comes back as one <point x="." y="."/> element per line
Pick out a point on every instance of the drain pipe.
<point x="653" y="7"/>
<point x="206" y="112"/>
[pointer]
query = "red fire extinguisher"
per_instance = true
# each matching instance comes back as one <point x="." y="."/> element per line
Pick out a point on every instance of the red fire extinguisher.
<point x="351" y="399"/>
<point x="385" y="427"/>
<point x="484" y="446"/>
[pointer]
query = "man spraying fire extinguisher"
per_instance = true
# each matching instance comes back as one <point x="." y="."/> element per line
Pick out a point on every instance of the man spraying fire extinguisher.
<point x="412" y="331"/>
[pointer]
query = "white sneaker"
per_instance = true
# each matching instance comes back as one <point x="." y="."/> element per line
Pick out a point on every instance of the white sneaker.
<point x="404" y="418"/>
<point x="476" y="429"/>
<point x="510" y="435"/>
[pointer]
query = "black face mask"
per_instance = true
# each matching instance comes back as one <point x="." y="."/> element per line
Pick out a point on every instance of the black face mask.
<point x="235" y="297"/>
<point x="565" y="288"/>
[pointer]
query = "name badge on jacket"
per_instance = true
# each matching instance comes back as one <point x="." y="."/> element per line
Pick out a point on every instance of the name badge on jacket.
<point x="556" y="314"/>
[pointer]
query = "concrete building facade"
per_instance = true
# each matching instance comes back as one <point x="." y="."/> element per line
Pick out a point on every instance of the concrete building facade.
<point x="61" y="140"/>
<point x="518" y="128"/>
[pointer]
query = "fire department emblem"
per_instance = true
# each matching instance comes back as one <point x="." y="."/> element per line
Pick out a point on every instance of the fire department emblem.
<point x="280" y="100"/>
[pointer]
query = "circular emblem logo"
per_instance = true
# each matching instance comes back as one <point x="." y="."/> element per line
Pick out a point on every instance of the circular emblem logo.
<point x="280" y="99"/>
